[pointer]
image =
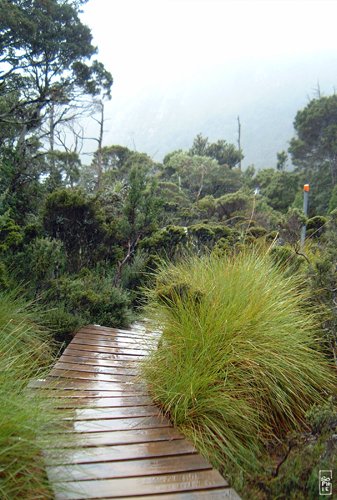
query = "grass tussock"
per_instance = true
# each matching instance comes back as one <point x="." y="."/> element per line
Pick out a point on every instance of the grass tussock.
<point x="26" y="417"/>
<point x="237" y="365"/>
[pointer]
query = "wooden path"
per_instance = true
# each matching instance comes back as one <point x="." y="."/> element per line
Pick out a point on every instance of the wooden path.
<point x="116" y="443"/>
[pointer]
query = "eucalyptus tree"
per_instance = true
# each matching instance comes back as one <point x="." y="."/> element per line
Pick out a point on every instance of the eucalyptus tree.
<point x="46" y="64"/>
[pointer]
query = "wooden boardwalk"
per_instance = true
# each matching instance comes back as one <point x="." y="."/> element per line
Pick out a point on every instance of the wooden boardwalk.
<point x="116" y="443"/>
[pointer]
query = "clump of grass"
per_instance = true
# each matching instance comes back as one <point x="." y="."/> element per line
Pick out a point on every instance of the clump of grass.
<point x="237" y="365"/>
<point x="26" y="417"/>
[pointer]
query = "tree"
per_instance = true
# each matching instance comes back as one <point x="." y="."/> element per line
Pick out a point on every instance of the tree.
<point x="64" y="170"/>
<point x="140" y="213"/>
<point x="278" y="187"/>
<point x="44" y="49"/>
<point x="224" y="153"/>
<point x="201" y="175"/>
<point x="282" y="158"/>
<point x="314" y="149"/>
<point x="221" y="151"/>
<point x="199" y="146"/>
<point x="73" y="218"/>
<point x="45" y="54"/>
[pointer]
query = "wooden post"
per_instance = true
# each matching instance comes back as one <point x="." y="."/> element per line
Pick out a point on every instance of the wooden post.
<point x="306" y="189"/>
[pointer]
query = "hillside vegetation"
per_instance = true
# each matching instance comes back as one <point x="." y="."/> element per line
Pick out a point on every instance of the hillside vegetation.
<point x="249" y="314"/>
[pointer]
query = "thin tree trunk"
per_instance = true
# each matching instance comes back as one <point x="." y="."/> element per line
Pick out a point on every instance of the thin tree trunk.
<point x="131" y="250"/>
<point x="99" y="149"/>
<point x="239" y="140"/>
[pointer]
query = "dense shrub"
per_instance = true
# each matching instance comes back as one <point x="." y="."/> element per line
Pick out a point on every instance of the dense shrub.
<point x="38" y="262"/>
<point x="93" y="298"/>
<point x="238" y="363"/>
<point x="73" y="217"/>
<point x="62" y="323"/>
<point x="316" y="226"/>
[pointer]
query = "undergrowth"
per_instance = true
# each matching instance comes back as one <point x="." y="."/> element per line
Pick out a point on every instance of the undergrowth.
<point x="26" y="417"/>
<point x="238" y="364"/>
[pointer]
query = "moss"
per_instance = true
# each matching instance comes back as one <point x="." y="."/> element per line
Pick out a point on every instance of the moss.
<point x="257" y="231"/>
<point x="316" y="226"/>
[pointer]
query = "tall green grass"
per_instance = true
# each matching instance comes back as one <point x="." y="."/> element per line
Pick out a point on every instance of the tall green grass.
<point x="237" y="365"/>
<point x="26" y="417"/>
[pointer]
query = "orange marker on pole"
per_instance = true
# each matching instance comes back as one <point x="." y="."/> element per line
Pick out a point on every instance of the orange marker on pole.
<point x="306" y="188"/>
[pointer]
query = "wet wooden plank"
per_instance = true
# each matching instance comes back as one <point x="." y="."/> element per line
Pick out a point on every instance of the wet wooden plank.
<point x="83" y="375"/>
<point x="115" y="442"/>
<point x="108" y="350"/>
<point x="111" y="343"/>
<point x="74" y="394"/>
<point x="72" y="351"/>
<point x="156" y="484"/>
<point x="110" y="413"/>
<point x="213" y="494"/>
<point x="134" y="468"/>
<point x="98" y="386"/>
<point x="116" y="338"/>
<point x="119" y="452"/>
<point x="120" y="333"/>
<point x="97" y="362"/>
<point x="107" y="402"/>
<point x="119" y="424"/>
<point x="113" y="370"/>
<point x="113" y="438"/>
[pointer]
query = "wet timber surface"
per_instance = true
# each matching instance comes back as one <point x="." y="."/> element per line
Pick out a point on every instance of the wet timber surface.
<point x="116" y="443"/>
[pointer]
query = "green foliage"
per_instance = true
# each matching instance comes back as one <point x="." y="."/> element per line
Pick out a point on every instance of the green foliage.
<point x="20" y="170"/>
<point x="333" y="200"/>
<point x="63" y="169"/>
<point x="238" y="362"/>
<point x="322" y="276"/>
<point x="174" y="202"/>
<point x="282" y="190"/>
<point x="92" y="298"/>
<point x="206" y="235"/>
<point x="166" y="242"/>
<point x="49" y="67"/>
<point x="134" y="276"/>
<point x="232" y="204"/>
<point x="316" y="226"/>
<point x="141" y="205"/>
<point x="286" y="258"/>
<point x="10" y="233"/>
<point x="73" y="218"/>
<point x="291" y="225"/>
<point x="26" y="417"/>
<point x="257" y="231"/>
<point x="307" y="453"/>
<point x="200" y="176"/>
<point x="62" y="323"/>
<point x="221" y="151"/>
<point x="40" y="261"/>
<point x="282" y="158"/>
<point x="314" y="148"/>
<point x="4" y="279"/>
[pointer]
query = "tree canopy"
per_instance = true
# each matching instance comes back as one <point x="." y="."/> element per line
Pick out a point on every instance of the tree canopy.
<point x="44" y="55"/>
<point x="314" y="149"/>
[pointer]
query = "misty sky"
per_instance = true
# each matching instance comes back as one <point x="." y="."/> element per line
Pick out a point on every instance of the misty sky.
<point x="153" y="46"/>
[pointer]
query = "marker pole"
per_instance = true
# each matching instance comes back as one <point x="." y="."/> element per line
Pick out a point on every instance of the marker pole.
<point x="306" y="189"/>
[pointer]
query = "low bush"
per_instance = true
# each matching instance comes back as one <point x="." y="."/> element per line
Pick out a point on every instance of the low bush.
<point x="238" y="362"/>
<point x="61" y="323"/>
<point x="93" y="298"/>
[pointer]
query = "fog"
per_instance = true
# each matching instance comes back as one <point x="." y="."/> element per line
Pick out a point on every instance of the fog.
<point x="181" y="67"/>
